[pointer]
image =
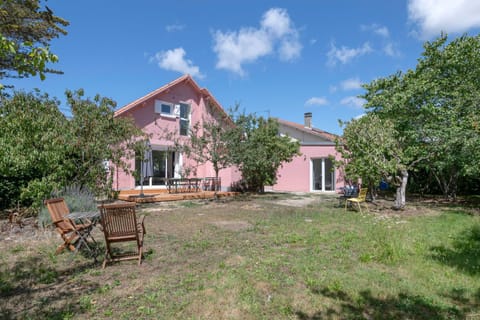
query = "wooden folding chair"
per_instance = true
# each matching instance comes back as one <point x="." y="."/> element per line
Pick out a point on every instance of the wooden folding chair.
<point x="362" y="195"/>
<point x="119" y="223"/>
<point x="68" y="229"/>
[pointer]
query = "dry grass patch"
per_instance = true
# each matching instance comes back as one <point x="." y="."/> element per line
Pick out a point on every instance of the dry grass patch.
<point x="276" y="256"/>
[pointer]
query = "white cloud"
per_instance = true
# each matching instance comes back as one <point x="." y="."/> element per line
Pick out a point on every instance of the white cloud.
<point x="333" y="89"/>
<point x="377" y="29"/>
<point x="174" y="60"/>
<point x="289" y="49"/>
<point x="277" y="22"/>
<point x="316" y="101"/>
<point x="233" y="49"/>
<point x="435" y="16"/>
<point x="174" y="27"/>
<point x="345" y="54"/>
<point x="390" y="49"/>
<point x="351" y="84"/>
<point x="276" y="34"/>
<point x="353" y="102"/>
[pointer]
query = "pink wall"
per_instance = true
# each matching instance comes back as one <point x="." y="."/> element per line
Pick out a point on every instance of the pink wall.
<point x="297" y="176"/>
<point x="156" y="124"/>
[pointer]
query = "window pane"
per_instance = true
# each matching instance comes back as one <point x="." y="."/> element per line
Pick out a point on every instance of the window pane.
<point x="329" y="175"/>
<point x="166" y="108"/>
<point x="184" y="124"/>
<point x="138" y="165"/>
<point x="184" y="110"/>
<point x="159" y="168"/>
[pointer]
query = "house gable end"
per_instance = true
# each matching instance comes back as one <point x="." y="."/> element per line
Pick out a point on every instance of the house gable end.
<point x="306" y="136"/>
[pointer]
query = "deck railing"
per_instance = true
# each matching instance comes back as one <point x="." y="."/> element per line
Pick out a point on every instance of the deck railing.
<point x="183" y="185"/>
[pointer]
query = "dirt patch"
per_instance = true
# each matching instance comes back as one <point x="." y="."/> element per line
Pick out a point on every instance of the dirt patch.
<point x="232" y="225"/>
<point x="299" y="202"/>
<point x="235" y="261"/>
<point x="385" y="208"/>
<point x="24" y="230"/>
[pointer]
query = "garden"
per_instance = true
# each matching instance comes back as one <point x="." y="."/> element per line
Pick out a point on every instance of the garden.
<point x="270" y="256"/>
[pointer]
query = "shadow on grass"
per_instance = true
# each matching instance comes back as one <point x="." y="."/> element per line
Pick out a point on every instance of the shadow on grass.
<point x="464" y="254"/>
<point x="367" y="306"/>
<point x="34" y="288"/>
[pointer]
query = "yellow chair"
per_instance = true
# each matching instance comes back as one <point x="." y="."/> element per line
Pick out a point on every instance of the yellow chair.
<point x="361" y="198"/>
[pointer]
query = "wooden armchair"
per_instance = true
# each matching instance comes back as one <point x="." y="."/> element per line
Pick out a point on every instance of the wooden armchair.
<point x="67" y="228"/>
<point x="119" y="223"/>
<point x="362" y="195"/>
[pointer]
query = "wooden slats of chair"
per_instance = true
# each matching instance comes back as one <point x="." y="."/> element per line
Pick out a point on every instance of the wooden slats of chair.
<point x="68" y="230"/>
<point x="119" y="223"/>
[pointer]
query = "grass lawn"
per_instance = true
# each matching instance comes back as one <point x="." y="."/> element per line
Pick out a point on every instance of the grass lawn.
<point x="274" y="256"/>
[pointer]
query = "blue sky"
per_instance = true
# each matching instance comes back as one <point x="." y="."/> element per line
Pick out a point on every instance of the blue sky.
<point x="277" y="58"/>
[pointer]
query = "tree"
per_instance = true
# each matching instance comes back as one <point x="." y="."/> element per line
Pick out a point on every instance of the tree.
<point x="42" y="151"/>
<point x="258" y="150"/>
<point x="25" y="33"/>
<point x="372" y="151"/>
<point x="99" y="143"/>
<point x="434" y="109"/>
<point x="33" y="152"/>
<point x="207" y="143"/>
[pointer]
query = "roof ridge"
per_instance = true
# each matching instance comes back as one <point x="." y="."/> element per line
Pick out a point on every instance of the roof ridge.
<point x="327" y="135"/>
<point x="186" y="77"/>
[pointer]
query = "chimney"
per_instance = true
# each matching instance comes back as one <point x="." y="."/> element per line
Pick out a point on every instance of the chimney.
<point x="308" y="119"/>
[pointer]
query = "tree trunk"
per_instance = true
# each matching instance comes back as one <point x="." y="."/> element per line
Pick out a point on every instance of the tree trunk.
<point x="401" y="190"/>
<point x="372" y="191"/>
<point x="215" y="194"/>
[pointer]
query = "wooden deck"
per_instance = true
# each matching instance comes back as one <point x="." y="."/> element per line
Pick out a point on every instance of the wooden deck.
<point x="159" y="195"/>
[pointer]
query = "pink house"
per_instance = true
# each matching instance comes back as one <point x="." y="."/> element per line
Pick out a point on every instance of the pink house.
<point x="313" y="170"/>
<point x="180" y="104"/>
<point x="175" y="107"/>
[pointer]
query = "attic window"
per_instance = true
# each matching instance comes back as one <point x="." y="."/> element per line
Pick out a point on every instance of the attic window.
<point x="164" y="108"/>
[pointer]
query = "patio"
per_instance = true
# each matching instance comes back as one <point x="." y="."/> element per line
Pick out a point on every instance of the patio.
<point x="162" y="195"/>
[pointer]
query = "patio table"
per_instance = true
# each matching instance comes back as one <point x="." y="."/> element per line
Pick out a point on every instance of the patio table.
<point x="179" y="185"/>
<point x="85" y="217"/>
<point x="82" y="216"/>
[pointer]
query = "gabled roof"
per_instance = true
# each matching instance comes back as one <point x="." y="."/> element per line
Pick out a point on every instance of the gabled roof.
<point x="183" y="79"/>
<point x="313" y="131"/>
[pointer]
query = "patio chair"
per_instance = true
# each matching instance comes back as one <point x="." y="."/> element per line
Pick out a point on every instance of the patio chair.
<point x="70" y="232"/>
<point x="119" y="223"/>
<point x="362" y="195"/>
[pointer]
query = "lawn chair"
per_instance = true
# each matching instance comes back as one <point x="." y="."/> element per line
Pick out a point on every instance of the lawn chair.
<point x="362" y="195"/>
<point x="69" y="231"/>
<point x="119" y="223"/>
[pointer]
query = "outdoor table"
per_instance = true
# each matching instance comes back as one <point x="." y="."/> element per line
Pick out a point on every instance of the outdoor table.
<point x="85" y="217"/>
<point x="178" y="185"/>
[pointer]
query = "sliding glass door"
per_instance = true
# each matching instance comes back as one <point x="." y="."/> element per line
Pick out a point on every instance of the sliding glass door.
<point x="322" y="175"/>
<point x="163" y="168"/>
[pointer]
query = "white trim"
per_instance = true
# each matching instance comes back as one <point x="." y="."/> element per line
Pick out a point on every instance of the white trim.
<point x="324" y="174"/>
<point x="158" y="108"/>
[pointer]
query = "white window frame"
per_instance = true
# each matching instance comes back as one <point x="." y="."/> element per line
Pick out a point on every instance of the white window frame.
<point x="323" y="173"/>
<point x="158" y="108"/>
<point x="188" y="118"/>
